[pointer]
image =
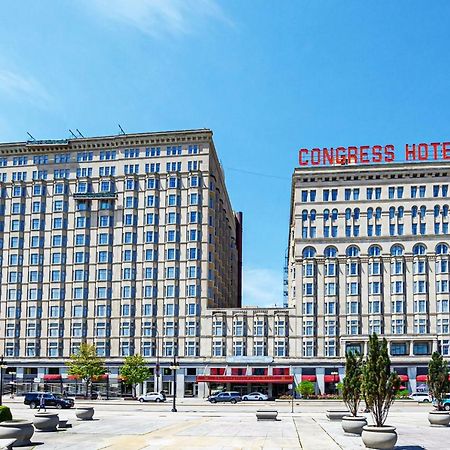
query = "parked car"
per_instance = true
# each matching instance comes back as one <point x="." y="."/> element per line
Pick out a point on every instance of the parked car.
<point x="255" y="396"/>
<point x="228" y="397"/>
<point x="33" y="399"/>
<point x="421" y="397"/>
<point x="152" y="397"/>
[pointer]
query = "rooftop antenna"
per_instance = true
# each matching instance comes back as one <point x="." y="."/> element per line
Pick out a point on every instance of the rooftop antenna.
<point x="121" y="129"/>
<point x="73" y="134"/>
<point x="31" y="136"/>
<point x="79" y="132"/>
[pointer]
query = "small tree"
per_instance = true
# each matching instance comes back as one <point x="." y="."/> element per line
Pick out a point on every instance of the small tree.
<point x="86" y="365"/>
<point x="134" y="371"/>
<point x="379" y="384"/>
<point x="352" y="385"/>
<point x="305" y="388"/>
<point x="438" y="383"/>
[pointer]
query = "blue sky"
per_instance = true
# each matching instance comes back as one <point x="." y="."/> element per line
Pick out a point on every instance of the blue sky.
<point x="268" y="77"/>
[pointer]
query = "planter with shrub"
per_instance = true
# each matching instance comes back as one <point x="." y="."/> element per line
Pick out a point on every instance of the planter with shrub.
<point x="438" y="386"/>
<point x="352" y="394"/>
<point x="380" y="386"/>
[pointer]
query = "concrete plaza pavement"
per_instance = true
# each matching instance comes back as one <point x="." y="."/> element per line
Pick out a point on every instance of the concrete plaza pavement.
<point x="199" y="425"/>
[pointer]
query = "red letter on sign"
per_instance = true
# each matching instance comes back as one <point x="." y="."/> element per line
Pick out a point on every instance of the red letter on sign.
<point x="422" y="151"/>
<point x="389" y="154"/>
<point x="435" y="146"/>
<point x="300" y="160"/>
<point x="446" y="150"/>
<point x="376" y="152"/>
<point x="410" y="153"/>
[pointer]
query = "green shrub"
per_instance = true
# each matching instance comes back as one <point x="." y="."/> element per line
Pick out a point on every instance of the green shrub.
<point x="438" y="383"/>
<point x="305" y="388"/>
<point x="352" y="385"/>
<point x="5" y="413"/>
<point x="404" y="393"/>
<point x="379" y="383"/>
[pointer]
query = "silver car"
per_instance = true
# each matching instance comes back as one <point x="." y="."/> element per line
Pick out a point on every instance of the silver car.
<point x="255" y="396"/>
<point x="152" y="397"/>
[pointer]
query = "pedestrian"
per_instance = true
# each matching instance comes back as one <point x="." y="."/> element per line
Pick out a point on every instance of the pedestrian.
<point x="42" y="403"/>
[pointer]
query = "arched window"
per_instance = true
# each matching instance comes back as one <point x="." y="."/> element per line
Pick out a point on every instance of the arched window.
<point x="419" y="249"/>
<point x="423" y="211"/>
<point x="445" y="211"/>
<point x="330" y="252"/>
<point x="334" y="214"/>
<point x="304" y="215"/>
<point x="326" y="214"/>
<point x="369" y="213"/>
<point x="378" y="213"/>
<point x="391" y="212"/>
<point x="400" y="212"/>
<point x="353" y="250"/>
<point x="374" y="250"/>
<point x="348" y="214"/>
<point x="312" y="214"/>
<point x="414" y="211"/>
<point x="309" y="252"/>
<point x="441" y="249"/>
<point x="436" y="211"/>
<point x="396" y="250"/>
<point x="356" y="213"/>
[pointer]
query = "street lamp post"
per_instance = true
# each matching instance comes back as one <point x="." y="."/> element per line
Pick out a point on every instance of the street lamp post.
<point x="2" y="366"/>
<point x="335" y="374"/>
<point x="174" y="368"/>
<point x="157" y="368"/>
<point x="13" y="383"/>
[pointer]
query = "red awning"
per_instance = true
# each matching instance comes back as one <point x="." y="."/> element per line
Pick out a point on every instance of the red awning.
<point x="403" y="377"/>
<point x="52" y="377"/>
<point x="422" y="378"/>
<point x="280" y="379"/>
<point x="331" y="378"/>
<point x="312" y="378"/>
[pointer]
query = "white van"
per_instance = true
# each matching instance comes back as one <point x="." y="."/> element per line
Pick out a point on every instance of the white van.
<point x="421" y="397"/>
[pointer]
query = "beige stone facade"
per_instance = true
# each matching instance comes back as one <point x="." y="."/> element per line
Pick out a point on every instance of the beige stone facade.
<point x="122" y="241"/>
<point x="369" y="252"/>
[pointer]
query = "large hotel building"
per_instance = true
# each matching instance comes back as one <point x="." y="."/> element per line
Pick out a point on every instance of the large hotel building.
<point x="130" y="242"/>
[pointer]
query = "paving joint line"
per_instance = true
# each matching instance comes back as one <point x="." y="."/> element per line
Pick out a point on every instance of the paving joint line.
<point x="334" y="440"/>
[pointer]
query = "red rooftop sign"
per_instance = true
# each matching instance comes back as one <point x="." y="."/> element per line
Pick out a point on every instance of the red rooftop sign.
<point x="366" y="154"/>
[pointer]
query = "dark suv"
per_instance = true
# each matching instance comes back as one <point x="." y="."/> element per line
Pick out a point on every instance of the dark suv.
<point x="34" y="398"/>
<point x="229" y="397"/>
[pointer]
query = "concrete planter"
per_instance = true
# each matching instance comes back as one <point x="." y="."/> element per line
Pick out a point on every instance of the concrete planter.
<point x="46" y="421"/>
<point x="384" y="437"/>
<point x="20" y="430"/>
<point x="337" y="414"/>
<point x="85" y="413"/>
<point x="439" y="418"/>
<point x="353" y="424"/>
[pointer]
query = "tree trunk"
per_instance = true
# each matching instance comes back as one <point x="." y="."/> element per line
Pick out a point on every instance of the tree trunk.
<point x="87" y="388"/>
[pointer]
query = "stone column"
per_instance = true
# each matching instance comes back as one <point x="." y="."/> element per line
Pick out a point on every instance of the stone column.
<point x="320" y="374"/>
<point x="412" y="373"/>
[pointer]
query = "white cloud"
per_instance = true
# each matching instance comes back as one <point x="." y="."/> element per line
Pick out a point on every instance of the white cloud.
<point x="262" y="287"/>
<point x="23" y="88"/>
<point x="159" y="17"/>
